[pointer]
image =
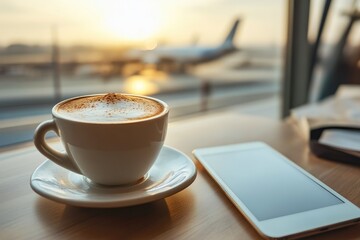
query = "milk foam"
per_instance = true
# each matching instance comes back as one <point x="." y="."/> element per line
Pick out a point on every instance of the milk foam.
<point x="110" y="108"/>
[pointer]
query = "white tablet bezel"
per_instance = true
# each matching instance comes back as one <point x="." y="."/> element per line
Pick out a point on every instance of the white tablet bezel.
<point x="294" y="225"/>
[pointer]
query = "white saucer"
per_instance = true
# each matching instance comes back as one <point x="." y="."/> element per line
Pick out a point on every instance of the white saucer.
<point x="172" y="172"/>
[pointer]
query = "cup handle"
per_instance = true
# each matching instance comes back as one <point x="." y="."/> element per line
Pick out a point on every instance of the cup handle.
<point x="59" y="158"/>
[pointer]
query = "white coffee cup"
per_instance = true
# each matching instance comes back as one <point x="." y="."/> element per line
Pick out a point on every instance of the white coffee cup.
<point x="108" y="150"/>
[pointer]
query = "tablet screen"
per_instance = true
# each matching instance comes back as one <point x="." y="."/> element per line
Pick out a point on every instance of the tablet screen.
<point x="268" y="185"/>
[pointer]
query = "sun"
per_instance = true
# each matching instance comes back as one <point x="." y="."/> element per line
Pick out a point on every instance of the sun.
<point x="135" y="20"/>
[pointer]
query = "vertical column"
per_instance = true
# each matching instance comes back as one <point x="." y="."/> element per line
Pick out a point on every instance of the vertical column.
<point x="55" y="57"/>
<point x="297" y="55"/>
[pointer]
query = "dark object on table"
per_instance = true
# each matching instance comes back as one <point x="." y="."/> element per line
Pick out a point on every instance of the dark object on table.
<point x="330" y="152"/>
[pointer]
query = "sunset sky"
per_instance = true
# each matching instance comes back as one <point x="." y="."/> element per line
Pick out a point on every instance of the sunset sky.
<point x="138" y="21"/>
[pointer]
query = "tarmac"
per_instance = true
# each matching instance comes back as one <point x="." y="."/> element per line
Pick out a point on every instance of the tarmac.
<point x="27" y="101"/>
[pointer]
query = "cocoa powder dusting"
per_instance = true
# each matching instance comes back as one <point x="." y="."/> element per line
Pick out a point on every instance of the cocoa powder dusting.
<point x="142" y="107"/>
<point x="113" y="98"/>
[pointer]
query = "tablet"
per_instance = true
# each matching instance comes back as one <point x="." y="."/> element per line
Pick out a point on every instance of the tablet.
<point x="280" y="199"/>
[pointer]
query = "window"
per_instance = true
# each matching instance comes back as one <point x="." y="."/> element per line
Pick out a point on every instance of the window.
<point x="195" y="55"/>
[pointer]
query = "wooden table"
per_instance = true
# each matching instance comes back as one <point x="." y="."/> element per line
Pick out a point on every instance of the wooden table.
<point x="201" y="211"/>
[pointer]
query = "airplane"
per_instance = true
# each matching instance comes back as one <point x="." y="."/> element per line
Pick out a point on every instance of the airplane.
<point x="189" y="55"/>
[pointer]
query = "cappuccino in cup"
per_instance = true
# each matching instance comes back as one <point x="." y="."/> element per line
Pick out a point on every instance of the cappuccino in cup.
<point x="110" y="108"/>
<point x="111" y="139"/>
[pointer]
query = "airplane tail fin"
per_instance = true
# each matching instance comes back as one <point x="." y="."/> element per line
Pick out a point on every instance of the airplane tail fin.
<point x="230" y="37"/>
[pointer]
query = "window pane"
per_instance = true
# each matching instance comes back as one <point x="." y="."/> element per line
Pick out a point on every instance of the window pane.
<point x="195" y="55"/>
